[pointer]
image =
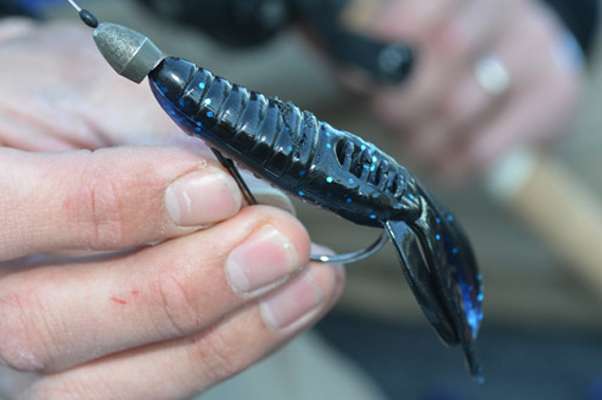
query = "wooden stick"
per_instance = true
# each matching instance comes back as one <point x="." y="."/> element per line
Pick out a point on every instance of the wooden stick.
<point x="557" y="206"/>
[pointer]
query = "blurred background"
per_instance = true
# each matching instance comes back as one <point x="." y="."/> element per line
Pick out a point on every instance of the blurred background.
<point x="542" y="335"/>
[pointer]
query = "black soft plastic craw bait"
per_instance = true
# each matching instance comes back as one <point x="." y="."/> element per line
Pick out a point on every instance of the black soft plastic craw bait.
<point x="328" y="167"/>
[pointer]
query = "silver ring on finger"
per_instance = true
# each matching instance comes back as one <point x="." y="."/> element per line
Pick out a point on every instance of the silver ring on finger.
<point x="493" y="76"/>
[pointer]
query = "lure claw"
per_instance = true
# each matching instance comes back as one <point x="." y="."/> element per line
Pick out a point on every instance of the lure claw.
<point x="419" y="277"/>
<point x="441" y="270"/>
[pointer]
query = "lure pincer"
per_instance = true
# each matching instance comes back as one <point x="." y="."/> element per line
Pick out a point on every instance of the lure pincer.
<point x="334" y="169"/>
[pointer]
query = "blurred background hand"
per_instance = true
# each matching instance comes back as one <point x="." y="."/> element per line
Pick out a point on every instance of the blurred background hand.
<point x="491" y="76"/>
<point x="58" y="94"/>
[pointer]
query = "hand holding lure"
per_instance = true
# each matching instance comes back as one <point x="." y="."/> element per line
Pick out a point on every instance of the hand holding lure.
<point x="325" y="166"/>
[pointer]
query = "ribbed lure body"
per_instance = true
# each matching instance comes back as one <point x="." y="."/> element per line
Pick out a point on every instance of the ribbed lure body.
<point x="289" y="147"/>
<point x="340" y="172"/>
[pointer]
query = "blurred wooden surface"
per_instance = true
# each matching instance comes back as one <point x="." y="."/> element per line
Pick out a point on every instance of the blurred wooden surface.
<point x="525" y="282"/>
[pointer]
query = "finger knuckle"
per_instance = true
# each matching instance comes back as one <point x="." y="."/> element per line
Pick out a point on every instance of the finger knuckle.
<point x="176" y="300"/>
<point x="26" y="343"/>
<point x="100" y="207"/>
<point x="216" y="357"/>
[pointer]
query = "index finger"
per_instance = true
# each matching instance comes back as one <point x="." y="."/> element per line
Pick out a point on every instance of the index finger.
<point x="109" y="199"/>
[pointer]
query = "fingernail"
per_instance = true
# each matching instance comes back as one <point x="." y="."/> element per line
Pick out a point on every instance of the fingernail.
<point x="294" y="305"/>
<point x="202" y="198"/>
<point x="263" y="260"/>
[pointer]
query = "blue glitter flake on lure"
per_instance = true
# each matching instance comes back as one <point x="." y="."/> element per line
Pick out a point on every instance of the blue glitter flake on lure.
<point x="474" y="311"/>
<point x="470" y="286"/>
